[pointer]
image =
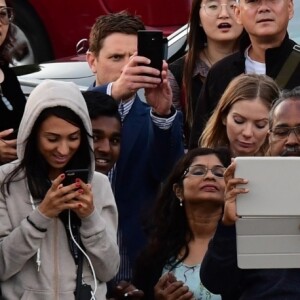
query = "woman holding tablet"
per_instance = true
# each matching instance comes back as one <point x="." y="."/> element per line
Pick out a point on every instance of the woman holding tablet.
<point x="184" y="220"/>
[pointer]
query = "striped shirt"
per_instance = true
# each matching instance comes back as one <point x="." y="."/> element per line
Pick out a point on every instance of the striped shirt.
<point x="125" y="106"/>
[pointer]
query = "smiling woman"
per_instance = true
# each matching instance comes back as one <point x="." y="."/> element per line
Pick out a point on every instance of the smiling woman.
<point x="58" y="141"/>
<point x="55" y="135"/>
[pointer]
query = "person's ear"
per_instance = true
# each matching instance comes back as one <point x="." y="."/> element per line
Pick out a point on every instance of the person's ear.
<point x="291" y="9"/>
<point x="237" y="14"/>
<point x="178" y="191"/>
<point x="224" y="121"/>
<point x="92" y="61"/>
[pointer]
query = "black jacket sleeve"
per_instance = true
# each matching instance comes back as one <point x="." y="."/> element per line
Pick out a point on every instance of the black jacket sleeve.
<point x="219" y="272"/>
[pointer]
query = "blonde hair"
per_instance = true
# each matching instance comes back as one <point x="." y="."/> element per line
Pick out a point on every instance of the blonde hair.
<point x="242" y="87"/>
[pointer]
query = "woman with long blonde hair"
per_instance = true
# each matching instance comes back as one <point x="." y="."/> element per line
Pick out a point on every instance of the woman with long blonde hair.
<point x="240" y="120"/>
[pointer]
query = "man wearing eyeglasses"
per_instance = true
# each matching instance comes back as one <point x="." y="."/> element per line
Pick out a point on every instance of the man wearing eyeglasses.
<point x="284" y="133"/>
<point x="219" y="272"/>
<point x="265" y="49"/>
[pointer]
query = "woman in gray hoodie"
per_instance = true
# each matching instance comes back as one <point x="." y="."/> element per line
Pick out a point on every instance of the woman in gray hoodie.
<point x="44" y="223"/>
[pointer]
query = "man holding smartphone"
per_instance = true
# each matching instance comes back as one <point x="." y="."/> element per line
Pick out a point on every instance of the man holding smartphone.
<point x="152" y="138"/>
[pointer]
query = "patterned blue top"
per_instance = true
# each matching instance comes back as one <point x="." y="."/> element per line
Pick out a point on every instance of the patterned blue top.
<point x="191" y="278"/>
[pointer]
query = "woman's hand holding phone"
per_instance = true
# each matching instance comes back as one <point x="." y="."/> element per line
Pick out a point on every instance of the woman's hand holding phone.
<point x="76" y="196"/>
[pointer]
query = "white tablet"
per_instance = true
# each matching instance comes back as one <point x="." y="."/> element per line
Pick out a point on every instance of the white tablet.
<point x="274" y="186"/>
<point x="268" y="230"/>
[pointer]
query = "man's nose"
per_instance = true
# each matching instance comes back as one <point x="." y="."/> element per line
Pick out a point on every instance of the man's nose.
<point x="103" y="146"/>
<point x="292" y="139"/>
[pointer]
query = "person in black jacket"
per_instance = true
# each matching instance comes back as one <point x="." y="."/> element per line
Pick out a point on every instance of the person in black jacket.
<point x="219" y="271"/>
<point x="12" y="99"/>
<point x="263" y="50"/>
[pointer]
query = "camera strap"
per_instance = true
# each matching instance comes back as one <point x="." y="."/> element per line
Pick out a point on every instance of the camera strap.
<point x="289" y="67"/>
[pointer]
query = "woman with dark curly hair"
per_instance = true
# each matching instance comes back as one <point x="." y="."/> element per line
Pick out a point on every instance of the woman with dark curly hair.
<point x="184" y="220"/>
<point x="12" y="99"/>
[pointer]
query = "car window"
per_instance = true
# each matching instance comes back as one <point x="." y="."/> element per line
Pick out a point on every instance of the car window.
<point x="294" y="25"/>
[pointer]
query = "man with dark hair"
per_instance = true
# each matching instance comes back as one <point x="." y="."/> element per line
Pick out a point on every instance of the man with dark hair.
<point x="106" y="125"/>
<point x="112" y="41"/>
<point x="265" y="49"/>
<point x="152" y="138"/>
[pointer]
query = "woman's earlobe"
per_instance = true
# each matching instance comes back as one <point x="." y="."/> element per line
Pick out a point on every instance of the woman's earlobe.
<point x="177" y="191"/>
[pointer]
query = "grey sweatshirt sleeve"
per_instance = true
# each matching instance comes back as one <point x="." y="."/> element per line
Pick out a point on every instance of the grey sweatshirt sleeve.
<point x="18" y="244"/>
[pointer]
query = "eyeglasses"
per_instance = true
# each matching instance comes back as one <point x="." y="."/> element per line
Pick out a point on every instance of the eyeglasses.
<point x="256" y="3"/>
<point x="201" y="171"/>
<point x="281" y="133"/>
<point x="214" y="8"/>
<point x="6" y="15"/>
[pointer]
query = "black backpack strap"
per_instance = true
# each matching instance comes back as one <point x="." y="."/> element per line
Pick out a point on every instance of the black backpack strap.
<point x="289" y="67"/>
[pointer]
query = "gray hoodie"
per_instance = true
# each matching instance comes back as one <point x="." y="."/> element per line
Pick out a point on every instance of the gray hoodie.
<point x="20" y="242"/>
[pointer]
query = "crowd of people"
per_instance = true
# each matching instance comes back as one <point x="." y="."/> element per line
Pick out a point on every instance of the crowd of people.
<point x="154" y="216"/>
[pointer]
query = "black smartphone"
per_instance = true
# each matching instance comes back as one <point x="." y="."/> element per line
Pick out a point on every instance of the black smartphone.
<point x="151" y="44"/>
<point x="71" y="176"/>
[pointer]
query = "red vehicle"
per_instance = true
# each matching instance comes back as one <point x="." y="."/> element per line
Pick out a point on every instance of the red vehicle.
<point x="50" y="29"/>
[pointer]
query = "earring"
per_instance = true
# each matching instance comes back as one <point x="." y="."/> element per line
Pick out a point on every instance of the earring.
<point x="180" y="202"/>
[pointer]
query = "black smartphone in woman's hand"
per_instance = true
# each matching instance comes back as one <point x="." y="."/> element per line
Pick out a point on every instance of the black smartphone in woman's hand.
<point x="71" y="175"/>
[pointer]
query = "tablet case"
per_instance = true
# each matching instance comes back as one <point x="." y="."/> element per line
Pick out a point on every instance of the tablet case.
<point x="268" y="230"/>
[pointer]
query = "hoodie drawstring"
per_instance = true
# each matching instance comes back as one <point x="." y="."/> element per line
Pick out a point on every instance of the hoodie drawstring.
<point x="38" y="254"/>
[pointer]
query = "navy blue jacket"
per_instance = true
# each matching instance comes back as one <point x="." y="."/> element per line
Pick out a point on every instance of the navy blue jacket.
<point x="147" y="157"/>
